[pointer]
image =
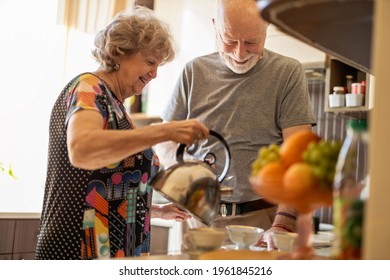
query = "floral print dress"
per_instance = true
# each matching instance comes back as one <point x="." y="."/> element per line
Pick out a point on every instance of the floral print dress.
<point x="101" y="213"/>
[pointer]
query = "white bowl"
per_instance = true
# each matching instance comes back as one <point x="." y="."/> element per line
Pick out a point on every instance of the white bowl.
<point x="244" y="236"/>
<point x="207" y="238"/>
<point x="284" y="241"/>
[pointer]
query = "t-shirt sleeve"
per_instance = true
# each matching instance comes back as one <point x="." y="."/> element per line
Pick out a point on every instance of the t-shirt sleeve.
<point x="87" y="94"/>
<point x="296" y="106"/>
<point x="177" y="105"/>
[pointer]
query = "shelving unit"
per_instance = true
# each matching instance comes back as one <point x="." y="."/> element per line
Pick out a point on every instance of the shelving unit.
<point x="336" y="72"/>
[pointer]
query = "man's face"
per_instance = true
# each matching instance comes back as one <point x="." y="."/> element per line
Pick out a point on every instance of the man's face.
<point x="240" y="42"/>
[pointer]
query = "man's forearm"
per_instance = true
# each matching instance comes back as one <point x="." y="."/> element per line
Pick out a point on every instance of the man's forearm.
<point x="285" y="218"/>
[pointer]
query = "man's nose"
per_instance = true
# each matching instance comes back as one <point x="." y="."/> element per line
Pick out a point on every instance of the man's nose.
<point x="240" y="50"/>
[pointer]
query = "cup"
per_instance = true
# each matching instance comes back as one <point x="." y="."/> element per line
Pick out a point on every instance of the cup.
<point x="284" y="241"/>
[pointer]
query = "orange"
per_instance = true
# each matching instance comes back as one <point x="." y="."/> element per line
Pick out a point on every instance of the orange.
<point x="291" y="151"/>
<point x="304" y="190"/>
<point x="270" y="182"/>
<point x="298" y="180"/>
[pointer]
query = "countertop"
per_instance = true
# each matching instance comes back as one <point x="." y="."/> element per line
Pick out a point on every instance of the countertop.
<point x="322" y="253"/>
<point x="20" y="215"/>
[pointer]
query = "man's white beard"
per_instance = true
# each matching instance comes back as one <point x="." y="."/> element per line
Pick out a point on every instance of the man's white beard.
<point x="240" y="68"/>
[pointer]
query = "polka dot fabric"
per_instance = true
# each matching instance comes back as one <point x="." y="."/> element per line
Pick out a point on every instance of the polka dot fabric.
<point x="103" y="213"/>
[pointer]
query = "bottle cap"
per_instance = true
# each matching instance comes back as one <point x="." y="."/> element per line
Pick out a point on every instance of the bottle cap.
<point x="338" y="88"/>
<point x="358" y="124"/>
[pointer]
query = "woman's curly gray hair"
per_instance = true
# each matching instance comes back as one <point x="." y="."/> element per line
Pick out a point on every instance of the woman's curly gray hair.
<point x="131" y="32"/>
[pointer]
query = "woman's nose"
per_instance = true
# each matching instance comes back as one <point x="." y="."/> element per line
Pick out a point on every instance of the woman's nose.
<point x="153" y="73"/>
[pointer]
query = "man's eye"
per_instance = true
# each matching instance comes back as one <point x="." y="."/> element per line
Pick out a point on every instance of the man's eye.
<point x="229" y="43"/>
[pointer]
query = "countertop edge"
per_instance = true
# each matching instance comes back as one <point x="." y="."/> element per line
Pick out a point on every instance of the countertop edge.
<point x="20" y="215"/>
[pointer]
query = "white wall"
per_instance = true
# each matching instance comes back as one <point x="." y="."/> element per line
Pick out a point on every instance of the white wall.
<point x="193" y="31"/>
<point x="286" y="45"/>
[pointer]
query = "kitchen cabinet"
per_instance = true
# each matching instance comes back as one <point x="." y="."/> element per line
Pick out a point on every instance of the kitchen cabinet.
<point x="336" y="72"/>
<point x="19" y="233"/>
<point x="18" y="238"/>
<point x="7" y="229"/>
<point x="166" y="237"/>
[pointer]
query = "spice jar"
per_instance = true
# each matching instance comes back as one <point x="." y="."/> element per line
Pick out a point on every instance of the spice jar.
<point x="337" y="99"/>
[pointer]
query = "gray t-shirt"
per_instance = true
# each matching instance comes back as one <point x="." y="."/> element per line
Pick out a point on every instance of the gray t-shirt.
<point x="249" y="110"/>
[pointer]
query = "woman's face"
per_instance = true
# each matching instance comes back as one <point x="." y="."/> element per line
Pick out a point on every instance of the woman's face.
<point x="135" y="72"/>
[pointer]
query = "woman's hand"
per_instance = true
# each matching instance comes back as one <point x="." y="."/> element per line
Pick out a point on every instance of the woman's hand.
<point x="169" y="212"/>
<point x="187" y="132"/>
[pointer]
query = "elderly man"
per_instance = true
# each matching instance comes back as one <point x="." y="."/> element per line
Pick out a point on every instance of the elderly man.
<point x="251" y="96"/>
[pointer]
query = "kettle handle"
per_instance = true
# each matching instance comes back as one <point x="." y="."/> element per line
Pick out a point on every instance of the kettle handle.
<point x="181" y="148"/>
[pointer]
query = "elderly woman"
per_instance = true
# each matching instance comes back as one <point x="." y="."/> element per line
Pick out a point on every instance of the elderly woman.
<point x="97" y="201"/>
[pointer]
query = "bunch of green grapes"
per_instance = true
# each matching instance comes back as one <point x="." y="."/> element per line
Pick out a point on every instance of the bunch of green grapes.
<point x="266" y="155"/>
<point x="322" y="157"/>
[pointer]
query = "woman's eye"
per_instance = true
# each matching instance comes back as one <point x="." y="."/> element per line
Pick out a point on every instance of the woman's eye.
<point x="151" y="63"/>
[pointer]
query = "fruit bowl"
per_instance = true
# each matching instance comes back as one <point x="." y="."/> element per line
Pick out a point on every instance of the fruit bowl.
<point x="298" y="174"/>
<point x="319" y="196"/>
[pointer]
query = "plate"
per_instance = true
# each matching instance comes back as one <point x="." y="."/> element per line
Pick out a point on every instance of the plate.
<point x="240" y="255"/>
<point x="326" y="227"/>
<point x="323" y="238"/>
<point x="251" y="248"/>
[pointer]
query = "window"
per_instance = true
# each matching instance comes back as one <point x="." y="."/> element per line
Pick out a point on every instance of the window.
<point x="39" y="56"/>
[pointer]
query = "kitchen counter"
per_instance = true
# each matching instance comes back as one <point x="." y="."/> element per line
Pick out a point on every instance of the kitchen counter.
<point x="20" y="215"/>
<point x="321" y="253"/>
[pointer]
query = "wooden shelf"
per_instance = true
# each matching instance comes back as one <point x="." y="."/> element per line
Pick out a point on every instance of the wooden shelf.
<point x="336" y="72"/>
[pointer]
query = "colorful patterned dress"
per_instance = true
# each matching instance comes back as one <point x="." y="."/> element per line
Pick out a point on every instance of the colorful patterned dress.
<point x="101" y="213"/>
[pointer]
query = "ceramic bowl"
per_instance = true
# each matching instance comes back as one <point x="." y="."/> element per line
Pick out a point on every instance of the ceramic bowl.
<point x="206" y="238"/>
<point x="244" y="236"/>
<point x="284" y="241"/>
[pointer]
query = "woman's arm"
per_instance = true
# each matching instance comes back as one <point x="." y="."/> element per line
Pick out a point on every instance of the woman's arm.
<point x="91" y="147"/>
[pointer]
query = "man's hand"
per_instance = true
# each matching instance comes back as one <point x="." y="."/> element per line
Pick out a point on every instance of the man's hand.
<point x="285" y="220"/>
<point x="266" y="240"/>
